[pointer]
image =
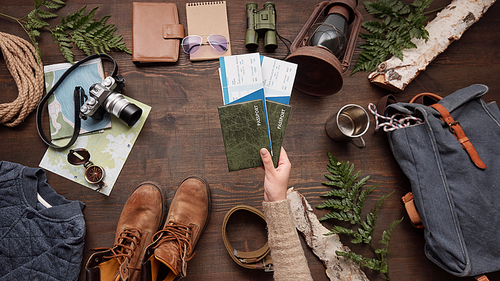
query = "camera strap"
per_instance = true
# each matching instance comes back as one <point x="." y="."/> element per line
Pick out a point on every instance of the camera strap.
<point x="77" y="100"/>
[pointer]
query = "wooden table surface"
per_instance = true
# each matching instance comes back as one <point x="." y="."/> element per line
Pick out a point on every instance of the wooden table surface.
<point x="182" y="136"/>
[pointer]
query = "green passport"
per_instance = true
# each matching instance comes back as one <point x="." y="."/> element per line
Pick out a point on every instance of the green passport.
<point x="277" y="114"/>
<point x="244" y="132"/>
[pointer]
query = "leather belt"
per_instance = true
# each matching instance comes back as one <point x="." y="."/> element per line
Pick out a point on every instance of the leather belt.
<point x="259" y="259"/>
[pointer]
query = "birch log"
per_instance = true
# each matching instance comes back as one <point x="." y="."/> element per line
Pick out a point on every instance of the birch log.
<point x="446" y="27"/>
<point x="337" y="268"/>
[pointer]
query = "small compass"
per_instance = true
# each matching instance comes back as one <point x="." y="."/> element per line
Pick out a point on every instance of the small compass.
<point x="93" y="174"/>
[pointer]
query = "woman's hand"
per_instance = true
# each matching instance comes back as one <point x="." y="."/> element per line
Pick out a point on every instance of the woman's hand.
<point x="276" y="179"/>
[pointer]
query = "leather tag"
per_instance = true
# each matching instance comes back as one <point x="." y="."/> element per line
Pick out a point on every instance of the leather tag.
<point x="173" y="31"/>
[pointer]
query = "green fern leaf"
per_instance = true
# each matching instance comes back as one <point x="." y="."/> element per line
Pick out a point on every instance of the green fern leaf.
<point x="81" y="43"/>
<point x="58" y="2"/>
<point x="34" y="33"/>
<point x="94" y="27"/>
<point x="99" y="33"/>
<point x="373" y="27"/>
<point x="32" y="15"/>
<point x="108" y="34"/>
<point x="52" y="5"/>
<point x="399" y="24"/>
<point x="81" y="23"/>
<point x="351" y="255"/>
<point x="342" y="193"/>
<point x="349" y="197"/>
<point x="67" y="53"/>
<point x="37" y="23"/>
<point x="38" y="3"/>
<point x="386" y="235"/>
<point x="45" y="14"/>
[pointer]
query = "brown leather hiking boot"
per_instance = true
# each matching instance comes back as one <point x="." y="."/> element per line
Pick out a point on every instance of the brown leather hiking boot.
<point x="141" y="217"/>
<point x="166" y="258"/>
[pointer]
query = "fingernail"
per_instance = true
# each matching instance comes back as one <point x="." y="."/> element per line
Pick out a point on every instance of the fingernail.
<point x="263" y="151"/>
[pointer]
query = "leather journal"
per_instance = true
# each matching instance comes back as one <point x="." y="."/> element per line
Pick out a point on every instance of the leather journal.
<point x="156" y="32"/>
<point x="206" y="18"/>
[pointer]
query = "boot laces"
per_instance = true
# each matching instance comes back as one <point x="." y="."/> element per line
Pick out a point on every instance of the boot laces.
<point x="125" y="247"/>
<point x="179" y="233"/>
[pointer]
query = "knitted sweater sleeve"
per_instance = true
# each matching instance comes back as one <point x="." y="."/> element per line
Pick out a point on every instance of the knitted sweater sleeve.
<point x="288" y="256"/>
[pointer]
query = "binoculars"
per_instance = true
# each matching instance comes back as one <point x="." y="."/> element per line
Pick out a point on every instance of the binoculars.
<point x="263" y="20"/>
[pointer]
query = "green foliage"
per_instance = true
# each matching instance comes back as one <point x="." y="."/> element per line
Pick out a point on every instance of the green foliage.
<point x="35" y="20"/>
<point x="373" y="264"/>
<point x="88" y="35"/>
<point x="398" y="24"/>
<point x="76" y="29"/>
<point x="347" y="203"/>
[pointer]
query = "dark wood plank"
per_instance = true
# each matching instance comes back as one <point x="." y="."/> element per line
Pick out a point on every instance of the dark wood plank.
<point x="182" y="136"/>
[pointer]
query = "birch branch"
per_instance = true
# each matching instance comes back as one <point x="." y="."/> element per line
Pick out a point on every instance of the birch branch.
<point x="337" y="268"/>
<point x="448" y="26"/>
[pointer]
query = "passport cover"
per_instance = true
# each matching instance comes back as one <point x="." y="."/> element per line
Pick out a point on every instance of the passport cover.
<point x="244" y="132"/>
<point x="277" y="114"/>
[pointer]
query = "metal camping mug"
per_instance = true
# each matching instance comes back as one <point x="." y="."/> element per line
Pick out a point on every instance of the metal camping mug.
<point x="348" y="124"/>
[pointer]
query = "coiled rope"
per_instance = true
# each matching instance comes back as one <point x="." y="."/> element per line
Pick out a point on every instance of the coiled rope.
<point x="21" y="59"/>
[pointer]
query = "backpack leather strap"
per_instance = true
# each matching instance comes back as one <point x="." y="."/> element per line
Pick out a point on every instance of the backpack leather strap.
<point x="459" y="133"/>
<point x="412" y="210"/>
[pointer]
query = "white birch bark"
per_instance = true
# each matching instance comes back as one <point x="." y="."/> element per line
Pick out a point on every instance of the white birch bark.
<point x="446" y="27"/>
<point x="337" y="268"/>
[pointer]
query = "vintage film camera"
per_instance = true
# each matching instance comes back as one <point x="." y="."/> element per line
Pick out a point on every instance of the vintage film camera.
<point x="104" y="97"/>
<point x="263" y="20"/>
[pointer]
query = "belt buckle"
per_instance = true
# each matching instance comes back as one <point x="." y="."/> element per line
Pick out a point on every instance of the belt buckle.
<point x="268" y="267"/>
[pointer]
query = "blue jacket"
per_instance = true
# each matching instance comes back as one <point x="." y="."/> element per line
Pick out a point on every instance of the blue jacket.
<point x="41" y="233"/>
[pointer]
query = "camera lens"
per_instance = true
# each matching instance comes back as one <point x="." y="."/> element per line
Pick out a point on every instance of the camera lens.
<point x="130" y="114"/>
<point x="120" y="107"/>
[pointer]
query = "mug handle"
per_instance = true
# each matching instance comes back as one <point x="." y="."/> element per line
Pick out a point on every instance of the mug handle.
<point x="362" y="145"/>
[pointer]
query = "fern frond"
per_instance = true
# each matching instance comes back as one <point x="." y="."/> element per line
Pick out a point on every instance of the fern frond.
<point x="341" y="216"/>
<point x="82" y="23"/>
<point x="87" y="34"/>
<point x="386" y="235"/>
<point x="347" y="204"/>
<point x="53" y="5"/>
<point x="333" y="203"/>
<point x="342" y="193"/>
<point x="398" y="24"/>
<point x="45" y="14"/>
<point x="342" y="230"/>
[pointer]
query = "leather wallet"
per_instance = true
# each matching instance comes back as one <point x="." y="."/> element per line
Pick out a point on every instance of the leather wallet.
<point x="156" y="32"/>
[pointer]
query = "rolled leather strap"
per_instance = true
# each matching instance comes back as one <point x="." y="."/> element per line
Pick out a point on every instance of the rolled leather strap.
<point x="259" y="259"/>
<point x="412" y="210"/>
<point x="459" y="133"/>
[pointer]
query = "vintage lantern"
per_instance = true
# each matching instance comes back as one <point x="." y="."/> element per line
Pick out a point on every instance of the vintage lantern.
<point x="324" y="47"/>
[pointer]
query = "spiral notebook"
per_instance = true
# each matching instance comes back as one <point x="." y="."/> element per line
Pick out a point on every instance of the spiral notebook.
<point x="204" y="19"/>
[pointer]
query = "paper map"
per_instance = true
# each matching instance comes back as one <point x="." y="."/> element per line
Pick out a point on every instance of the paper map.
<point x="108" y="149"/>
<point x="61" y="105"/>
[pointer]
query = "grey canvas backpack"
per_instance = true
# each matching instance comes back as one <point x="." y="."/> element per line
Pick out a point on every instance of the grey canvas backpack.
<point x="453" y="164"/>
